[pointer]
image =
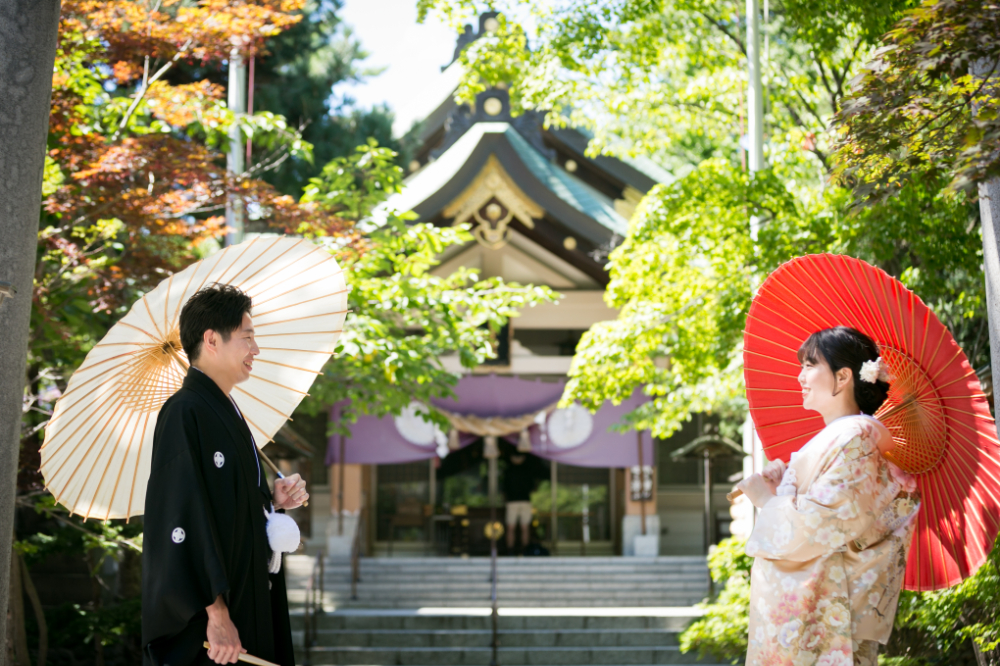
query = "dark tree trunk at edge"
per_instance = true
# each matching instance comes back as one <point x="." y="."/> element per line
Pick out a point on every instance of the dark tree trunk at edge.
<point x="989" y="215"/>
<point x="28" y="31"/>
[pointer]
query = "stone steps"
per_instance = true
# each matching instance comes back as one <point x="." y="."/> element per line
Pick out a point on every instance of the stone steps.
<point x="545" y="581"/>
<point x="477" y="638"/>
<point x="598" y="611"/>
<point x="539" y="656"/>
<point x="478" y="619"/>
<point x="405" y="604"/>
<point x="375" y="578"/>
<point x="526" y="637"/>
<point x="572" y="587"/>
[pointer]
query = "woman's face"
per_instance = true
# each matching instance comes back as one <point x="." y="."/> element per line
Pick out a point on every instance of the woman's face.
<point x="818" y="386"/>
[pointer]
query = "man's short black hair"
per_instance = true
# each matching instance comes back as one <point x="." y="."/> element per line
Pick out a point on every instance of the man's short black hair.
<point x="219" y="308"/>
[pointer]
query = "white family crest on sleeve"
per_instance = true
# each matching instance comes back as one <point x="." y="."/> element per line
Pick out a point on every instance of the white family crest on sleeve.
<point x="220" y="459"/>
<point x="178" y="535"/>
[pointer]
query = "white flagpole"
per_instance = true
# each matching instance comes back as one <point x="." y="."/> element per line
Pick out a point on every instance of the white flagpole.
<point x="236" y="159"/>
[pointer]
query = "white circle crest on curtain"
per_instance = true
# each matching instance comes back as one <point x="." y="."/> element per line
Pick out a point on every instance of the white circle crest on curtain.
<point x="570" y="427"/>
<point x="417" y="431"/>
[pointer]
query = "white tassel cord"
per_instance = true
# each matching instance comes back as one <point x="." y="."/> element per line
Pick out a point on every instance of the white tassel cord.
<point x="283" y="536"/>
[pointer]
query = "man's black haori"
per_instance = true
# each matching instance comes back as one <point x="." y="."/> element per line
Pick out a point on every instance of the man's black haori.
<point x="204" y="533"/>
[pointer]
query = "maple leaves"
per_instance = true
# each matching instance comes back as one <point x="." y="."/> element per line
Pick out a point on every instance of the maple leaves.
<point x="927" y="105"/>
<point x="209" y="30"/>
<point x="188" y="103"/>
<point x="135" y="179"/>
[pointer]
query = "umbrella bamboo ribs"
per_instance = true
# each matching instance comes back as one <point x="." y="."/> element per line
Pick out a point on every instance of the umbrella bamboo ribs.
<point x="98" y="444"/>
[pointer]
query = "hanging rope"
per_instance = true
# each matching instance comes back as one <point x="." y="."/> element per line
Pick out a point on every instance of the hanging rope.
<point x="492" y="427"/>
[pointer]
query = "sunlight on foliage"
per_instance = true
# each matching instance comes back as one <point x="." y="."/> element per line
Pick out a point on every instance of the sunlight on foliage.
<point x="721" y="633"/>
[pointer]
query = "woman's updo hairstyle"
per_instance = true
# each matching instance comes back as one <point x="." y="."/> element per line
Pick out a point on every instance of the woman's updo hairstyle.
<point x="844" y="347"/>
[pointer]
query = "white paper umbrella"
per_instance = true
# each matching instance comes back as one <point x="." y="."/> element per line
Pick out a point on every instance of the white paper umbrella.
<point x="98" y="445"/>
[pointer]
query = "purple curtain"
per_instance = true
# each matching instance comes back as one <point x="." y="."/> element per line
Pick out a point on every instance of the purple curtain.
<point x="377" y="441"/>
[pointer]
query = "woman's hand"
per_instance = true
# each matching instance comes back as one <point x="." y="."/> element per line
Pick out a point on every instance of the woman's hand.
<point x="907" y="482"/>
<point x="290" y="492"/>
<point x="757" y="489"/>
<point x="773" y="473"/>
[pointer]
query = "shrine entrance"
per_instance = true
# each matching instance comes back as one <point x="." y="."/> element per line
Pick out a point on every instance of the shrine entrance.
<point x="442" y="508"/>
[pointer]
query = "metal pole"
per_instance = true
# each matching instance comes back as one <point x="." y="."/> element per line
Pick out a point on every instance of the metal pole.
<point x="989" y="214"/>
<point x="708" y="501"/>
<point x="494" y="614"/>
<point x="989" y="219"/>
<point x="612" y="506"/>
<point x="340" y="488"/>
<point x="755" y="101"/>
<point x="371" y="504"/>
<point x="494" y="533"/>
<point x="492" y="481"/>
<point x="553" y="518"/>
<point x="755" y="110"/>
<point x="755" y="97"/>
<point x="250" y="100"/>
<point x="236" y="158"/>
<point x="642" y="486"/>
<point x="431" y="500"/>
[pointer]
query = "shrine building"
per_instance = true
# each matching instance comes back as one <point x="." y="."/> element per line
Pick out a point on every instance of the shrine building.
<point x="544" y="213"/>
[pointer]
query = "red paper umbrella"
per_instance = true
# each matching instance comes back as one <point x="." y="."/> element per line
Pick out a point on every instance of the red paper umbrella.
<point x="936" y="411"/>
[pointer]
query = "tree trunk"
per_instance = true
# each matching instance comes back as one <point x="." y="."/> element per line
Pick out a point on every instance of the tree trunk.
<point x="28" y="30"/>
<point x="28" y="586"/>
<point x="989" y="215"/>
<point x="17" y="613"/>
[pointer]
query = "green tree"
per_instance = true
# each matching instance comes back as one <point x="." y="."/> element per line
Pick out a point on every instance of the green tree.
<point x="403" y="317"/>
<point x="134" y="185"/>
<point x="924" y="112"/>
<point x="683" y="279"/>
<point x="927" y="105"/>
<point x="667" y="78"/>
<point x="297" y="79"/>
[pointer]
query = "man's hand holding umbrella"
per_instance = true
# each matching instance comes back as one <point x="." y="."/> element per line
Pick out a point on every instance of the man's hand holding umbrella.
<point x="290" y="492"/>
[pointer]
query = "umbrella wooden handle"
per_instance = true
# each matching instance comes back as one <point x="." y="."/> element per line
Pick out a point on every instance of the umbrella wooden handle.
<point x="274" y="468"/>
<point x="733" y="495"/>
<point x="248" y="658"/>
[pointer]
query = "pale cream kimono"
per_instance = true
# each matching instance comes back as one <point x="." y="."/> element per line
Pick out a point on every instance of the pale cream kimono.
<point x="830" y="551"/>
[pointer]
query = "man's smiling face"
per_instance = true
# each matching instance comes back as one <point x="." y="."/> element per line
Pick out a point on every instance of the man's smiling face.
<point x="236" y="355"/>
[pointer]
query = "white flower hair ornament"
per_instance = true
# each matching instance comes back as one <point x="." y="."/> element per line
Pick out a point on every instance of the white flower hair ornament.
<point x="873" y="371"/>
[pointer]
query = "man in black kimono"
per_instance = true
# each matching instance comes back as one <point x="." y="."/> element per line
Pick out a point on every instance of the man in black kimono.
<point x="205" y="550"/>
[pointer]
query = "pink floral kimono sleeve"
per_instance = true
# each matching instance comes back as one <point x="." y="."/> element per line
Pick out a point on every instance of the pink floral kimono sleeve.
<point x="838" y="507"/>
<point x="825" y="579"/>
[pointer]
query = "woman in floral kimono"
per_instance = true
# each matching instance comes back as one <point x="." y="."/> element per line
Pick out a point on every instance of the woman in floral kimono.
<point x="831" y="539"/>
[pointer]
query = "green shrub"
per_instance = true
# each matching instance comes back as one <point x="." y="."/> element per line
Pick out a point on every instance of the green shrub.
<point x="721" y="633"/>
<point x="931" y="628"/>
